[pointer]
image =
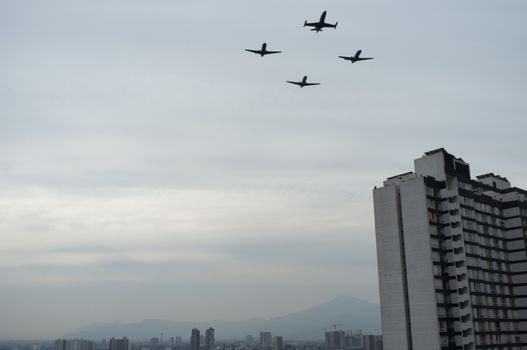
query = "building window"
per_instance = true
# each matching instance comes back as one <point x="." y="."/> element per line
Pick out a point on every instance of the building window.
<point x="440" y="298"/>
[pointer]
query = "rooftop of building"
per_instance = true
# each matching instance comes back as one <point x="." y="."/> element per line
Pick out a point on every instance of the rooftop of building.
<point x="438" y="150"/>
<point x="484" y="176"/>
<point x="445" y="152"/>
<point x="400" y="175"/>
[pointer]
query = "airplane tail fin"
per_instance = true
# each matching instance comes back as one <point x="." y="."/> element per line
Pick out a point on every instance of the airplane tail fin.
<point x="336" y="24"/>
<point x="305" y="23"/>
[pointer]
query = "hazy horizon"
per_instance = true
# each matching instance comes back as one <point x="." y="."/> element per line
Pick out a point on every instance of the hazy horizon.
<point x="306" y="324"/>
<point x="196" y="323"/>
<point x="238" y="319"/>
<point x="151" y="168"/>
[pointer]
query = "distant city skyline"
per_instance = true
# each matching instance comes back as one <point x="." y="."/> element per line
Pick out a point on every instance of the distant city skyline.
<point x="307" y="324"/>
<point x="355" y="339"/>
<point x="151" y="168"/>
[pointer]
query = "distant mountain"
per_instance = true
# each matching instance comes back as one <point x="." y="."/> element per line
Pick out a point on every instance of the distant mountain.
<point x="345" y="311"/>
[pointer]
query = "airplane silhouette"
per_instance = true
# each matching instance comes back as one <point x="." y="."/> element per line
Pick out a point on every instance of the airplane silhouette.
<point x="302" y="83"/>
<point x="263" y="51"/>
<point x="321" y="24"/>
<point x="356" y="58"/>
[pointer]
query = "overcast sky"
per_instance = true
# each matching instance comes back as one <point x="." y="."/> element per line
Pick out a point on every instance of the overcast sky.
<point x="150" y="168"/>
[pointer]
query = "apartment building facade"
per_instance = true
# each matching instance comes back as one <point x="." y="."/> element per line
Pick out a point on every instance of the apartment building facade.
<point x="452" y="261"/>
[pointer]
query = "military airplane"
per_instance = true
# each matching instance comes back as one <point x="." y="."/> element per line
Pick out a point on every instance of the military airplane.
<point x="263" y="51"/>
<point x="302" y="83"/>
<point x="356" y="58"/>
<point x="321" y="24"/>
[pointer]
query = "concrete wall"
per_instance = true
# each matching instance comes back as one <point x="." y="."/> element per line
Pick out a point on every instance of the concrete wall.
<point x="421" y="290"/>
<point x="395" y="328"/>
<point x="433" y="165"/>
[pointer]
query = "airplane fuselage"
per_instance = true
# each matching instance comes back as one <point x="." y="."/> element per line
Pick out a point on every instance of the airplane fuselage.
<point x="321" y="24"/>
<point x="263" y="50"/>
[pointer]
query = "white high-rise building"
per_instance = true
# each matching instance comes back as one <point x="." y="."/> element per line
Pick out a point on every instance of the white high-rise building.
<point x="451" y="253"/>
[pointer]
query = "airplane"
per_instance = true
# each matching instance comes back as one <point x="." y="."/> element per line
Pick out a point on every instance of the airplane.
<point x="356" y="58"/>
<point x="302" y="83"/>
<point x="263" y="51"/>
<point x="321" y="24"/>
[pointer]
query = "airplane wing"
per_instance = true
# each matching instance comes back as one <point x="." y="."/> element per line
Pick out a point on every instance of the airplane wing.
<point x="309" y="84"/>
<point x="253" y="51"/>
<point x="345" y="57"/>
<point x="271" y="52"/>
<point x="293" y="82"/>
<point x="364" y="58"/>
<point x="312" y="24"/>
<point x="329" y="25"/>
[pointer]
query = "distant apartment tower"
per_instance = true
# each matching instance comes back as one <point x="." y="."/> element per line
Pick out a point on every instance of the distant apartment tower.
<point x="194" y="339"/>
<point x="451" y="253"/>
<point x="266" y="339"/>
<point x="372" y="342"/>
<point x="357" y="341"/>
<point x="278" y="343"/>
<point x="75" y="344"/>
<point x="119" y="344"/>
<point x="335" y="339"/>
<point x="154" y="342"/>
<point x="249" y="340"/>
<point x="178" y="341"/>
<point x="59" y="344"/>
<point x="209" y="339"/>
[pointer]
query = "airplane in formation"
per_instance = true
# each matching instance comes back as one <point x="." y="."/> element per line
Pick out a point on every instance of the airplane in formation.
<point x="321" y="24"/>
<point x="302" y="83"/>
<point x="356" y="57"/>
<point x="263" y="51"/>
